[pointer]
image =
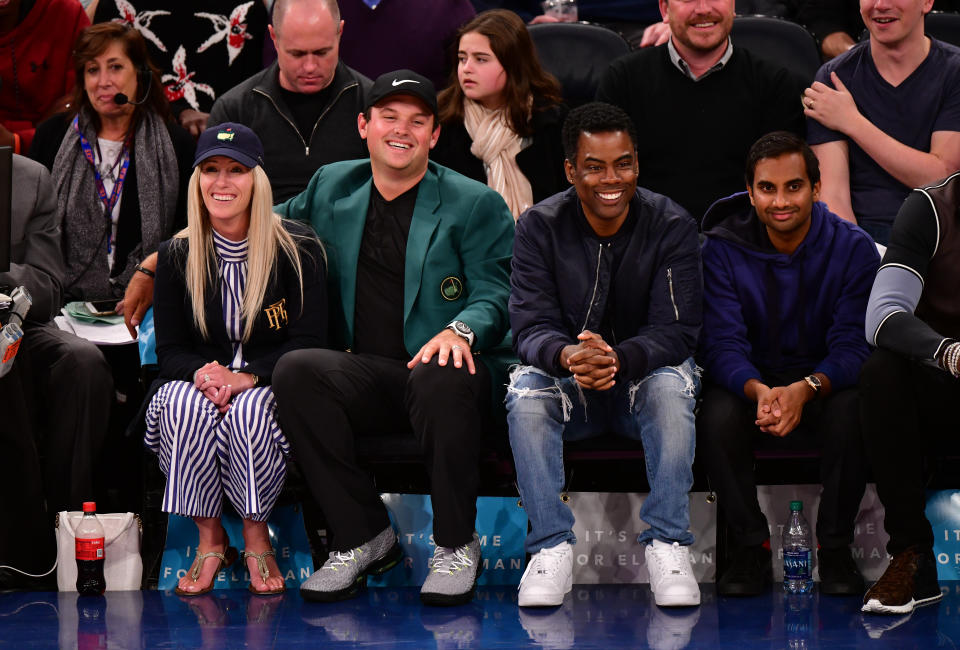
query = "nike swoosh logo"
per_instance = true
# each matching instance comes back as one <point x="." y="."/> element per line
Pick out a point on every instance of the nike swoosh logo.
<point x="397" y="82"/>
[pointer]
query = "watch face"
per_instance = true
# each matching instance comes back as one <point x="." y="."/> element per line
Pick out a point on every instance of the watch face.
<point x="462" y="327"/>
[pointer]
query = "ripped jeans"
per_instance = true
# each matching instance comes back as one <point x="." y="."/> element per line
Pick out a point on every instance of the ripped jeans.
<point x="543" y="411"/>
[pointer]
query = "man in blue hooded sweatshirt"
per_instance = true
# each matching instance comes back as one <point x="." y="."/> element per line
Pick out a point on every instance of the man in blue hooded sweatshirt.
<point x="786" y="284"/>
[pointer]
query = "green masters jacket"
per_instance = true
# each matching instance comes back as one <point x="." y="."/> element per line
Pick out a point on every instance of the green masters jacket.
<point x="457" y="261"/>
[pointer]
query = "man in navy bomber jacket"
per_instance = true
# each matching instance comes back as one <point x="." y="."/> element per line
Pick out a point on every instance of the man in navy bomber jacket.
<point x="605" y="307"/>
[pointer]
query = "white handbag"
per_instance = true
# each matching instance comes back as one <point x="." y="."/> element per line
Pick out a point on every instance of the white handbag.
<point x="122" y="568"/>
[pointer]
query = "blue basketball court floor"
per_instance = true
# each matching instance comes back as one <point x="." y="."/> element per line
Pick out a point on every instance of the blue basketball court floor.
<point x="595" y="616"/>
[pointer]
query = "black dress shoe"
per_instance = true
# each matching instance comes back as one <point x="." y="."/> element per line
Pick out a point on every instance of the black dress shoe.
<point x="750" y="572"/>
<point x="839" y="575"/>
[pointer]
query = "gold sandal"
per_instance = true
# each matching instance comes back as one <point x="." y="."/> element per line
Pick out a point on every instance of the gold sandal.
<point x="227" y="558"/>
<point x="264" y="572"/>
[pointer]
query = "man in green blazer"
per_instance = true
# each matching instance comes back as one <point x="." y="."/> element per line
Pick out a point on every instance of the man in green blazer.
<point x="419" y="272"/>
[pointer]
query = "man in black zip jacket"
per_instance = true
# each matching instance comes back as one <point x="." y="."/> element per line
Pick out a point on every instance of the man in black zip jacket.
<point x="605" y="307"/>
<point x="304" y="107"/>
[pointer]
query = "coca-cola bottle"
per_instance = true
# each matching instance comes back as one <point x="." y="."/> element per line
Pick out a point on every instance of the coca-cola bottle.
<point x="89" y="549"/>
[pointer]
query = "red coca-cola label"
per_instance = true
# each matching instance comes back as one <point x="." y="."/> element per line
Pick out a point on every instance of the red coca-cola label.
<point x="90" y="549"/>
<point x="12" y="350"/>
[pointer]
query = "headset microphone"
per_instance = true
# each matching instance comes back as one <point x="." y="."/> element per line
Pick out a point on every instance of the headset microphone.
<point x="120" y="99"/>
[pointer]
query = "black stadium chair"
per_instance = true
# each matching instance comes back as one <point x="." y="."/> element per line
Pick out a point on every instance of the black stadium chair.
<point x="943" y="27"/>
<point x="780" y="41"/>
<point x="577" y="54"/>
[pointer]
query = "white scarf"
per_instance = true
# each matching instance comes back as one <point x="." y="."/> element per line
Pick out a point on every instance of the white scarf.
<point x="497" y="145"/>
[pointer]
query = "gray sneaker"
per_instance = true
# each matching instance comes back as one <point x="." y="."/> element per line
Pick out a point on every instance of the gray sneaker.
<point x="344" y="572"/>
<point x="453" y="574"/>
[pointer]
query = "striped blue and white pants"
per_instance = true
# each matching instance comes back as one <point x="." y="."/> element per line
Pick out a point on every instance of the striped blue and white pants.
<point x="204" y="455"/>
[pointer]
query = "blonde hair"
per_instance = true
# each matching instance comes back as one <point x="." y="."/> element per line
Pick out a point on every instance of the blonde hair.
<point x="265" y="236"/>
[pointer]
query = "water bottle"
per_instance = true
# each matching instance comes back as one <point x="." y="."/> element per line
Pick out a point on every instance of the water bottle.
<point x="797" y="614"/>
<point x="89" y="551"/>
<point x="797" y="563"/>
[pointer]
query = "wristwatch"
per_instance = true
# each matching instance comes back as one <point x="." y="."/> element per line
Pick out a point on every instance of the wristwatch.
<point x="463" y="330"/>
<point x="814" y="382"/>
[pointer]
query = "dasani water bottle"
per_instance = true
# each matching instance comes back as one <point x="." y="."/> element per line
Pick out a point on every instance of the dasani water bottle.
<point x="797" y="561"/>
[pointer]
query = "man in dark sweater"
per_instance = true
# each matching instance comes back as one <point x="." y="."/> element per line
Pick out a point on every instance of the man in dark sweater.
<point x="699" y="103"/>
<point x="785" y="288"/>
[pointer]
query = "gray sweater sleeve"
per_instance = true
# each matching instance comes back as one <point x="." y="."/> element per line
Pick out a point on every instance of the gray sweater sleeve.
<point x="890" y="319"/>
<point x="36" y="260"/>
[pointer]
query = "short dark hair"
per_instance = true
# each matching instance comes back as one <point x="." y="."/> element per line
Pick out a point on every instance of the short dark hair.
<point x="781" y="143"/>
<point x="595" y="117"/>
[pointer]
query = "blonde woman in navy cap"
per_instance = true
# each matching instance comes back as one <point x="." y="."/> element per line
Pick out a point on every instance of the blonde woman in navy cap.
<point x="234" y="291"/>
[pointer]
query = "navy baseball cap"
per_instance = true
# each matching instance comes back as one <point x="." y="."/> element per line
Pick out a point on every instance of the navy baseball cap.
<point x="403" y="82"/>
<point x="232" y="140"/>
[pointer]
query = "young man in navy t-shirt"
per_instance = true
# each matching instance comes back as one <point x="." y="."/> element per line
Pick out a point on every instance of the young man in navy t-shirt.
<point x="885" y="116"/>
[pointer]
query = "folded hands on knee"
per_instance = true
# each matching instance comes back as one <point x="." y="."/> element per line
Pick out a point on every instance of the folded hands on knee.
<point x="592" y="362"/>
<point x="220" y="384"/>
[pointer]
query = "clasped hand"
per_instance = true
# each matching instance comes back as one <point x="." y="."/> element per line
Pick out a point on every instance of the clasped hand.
<point x="780" y="408"/>
<point x="219" y="384"/>
<point x="592" y="361"/>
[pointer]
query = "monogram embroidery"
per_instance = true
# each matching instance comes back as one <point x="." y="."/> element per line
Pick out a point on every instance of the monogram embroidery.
<point x="277" y="314"/>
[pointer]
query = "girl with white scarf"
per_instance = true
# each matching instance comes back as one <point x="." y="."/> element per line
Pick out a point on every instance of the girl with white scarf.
<point x="502" y="113"/>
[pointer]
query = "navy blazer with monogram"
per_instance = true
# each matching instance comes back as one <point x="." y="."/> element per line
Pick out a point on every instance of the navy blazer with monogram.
<point x="281" y="325"/>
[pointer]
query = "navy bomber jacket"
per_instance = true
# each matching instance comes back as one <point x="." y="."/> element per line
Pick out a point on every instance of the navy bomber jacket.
<point x="563" y="282"/>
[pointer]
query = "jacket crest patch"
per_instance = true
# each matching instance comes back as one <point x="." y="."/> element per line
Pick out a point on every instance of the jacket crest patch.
<point x="451" y="288"/>
<point x="276" y="314"/>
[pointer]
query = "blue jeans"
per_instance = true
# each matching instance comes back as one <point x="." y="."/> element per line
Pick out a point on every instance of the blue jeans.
<point x="543" y="411"/>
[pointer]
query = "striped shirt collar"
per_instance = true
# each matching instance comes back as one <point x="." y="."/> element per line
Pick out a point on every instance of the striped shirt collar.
<point x="229" y="251"/>
<point x="685" y="69"/>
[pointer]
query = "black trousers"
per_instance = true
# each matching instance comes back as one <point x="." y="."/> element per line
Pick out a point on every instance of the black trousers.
<point x="727" y="437"/>
<point x="56" y="405"/>
<point x="70" y="396"/>
<point x="906" y="408"/>
<point x="326" y="397"/>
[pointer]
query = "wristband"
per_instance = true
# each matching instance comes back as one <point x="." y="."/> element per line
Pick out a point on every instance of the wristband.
<point x="145" y="271"/>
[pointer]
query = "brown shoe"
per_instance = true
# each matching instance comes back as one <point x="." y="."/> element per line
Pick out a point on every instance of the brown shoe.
<point x="909" y="581"/>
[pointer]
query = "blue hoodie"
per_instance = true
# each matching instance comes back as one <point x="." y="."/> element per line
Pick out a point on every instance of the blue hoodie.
<point x="766" y="312"/>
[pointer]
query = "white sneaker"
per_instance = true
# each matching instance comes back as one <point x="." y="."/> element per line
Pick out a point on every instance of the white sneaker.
<point x="549" y="576"/>
<point x="671" y="577"/>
